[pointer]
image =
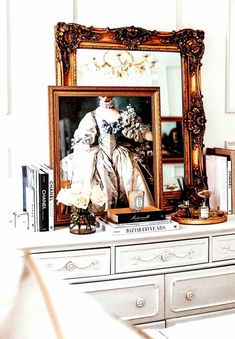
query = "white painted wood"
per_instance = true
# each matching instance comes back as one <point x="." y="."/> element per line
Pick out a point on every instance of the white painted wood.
<point x="158" y="255"/>
<point x="136" y="300"/>
<point x="195" y="317"/>
<point x="144" y="278"/>
<point x="152" y="325"/>
<point x="62" y="239"/>
<point x="223" y="247"/>
<point x="199" y="291"/>
<point x="75" y="264"/>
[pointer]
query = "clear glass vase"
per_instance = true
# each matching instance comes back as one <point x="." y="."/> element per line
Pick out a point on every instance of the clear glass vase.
<point x="81" y="221"/>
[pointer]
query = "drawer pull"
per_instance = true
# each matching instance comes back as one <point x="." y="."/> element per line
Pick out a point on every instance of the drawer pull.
<point x="190" y="295"/>
<point x="140" y="302"/>
<point x="166" y="255"/>
<point x="70" y="266"/>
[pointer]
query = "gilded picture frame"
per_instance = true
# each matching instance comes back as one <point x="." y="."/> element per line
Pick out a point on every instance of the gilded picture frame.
<point x="67" y="108"/>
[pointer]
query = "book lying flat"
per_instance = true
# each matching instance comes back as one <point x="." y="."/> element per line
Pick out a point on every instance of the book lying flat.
<point x="126" y="215"/>
<point x="139" y="223"/>
<point x="165" y="225"/>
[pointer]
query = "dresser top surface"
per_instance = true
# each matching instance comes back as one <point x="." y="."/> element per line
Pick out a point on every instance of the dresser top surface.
<point x="62" y="239"/>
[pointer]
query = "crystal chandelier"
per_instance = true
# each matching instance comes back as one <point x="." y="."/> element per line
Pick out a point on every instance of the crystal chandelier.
<point x="122" y="64"/>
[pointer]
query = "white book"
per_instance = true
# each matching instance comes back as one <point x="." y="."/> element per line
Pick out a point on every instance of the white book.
<point x="50" y="173"/>
<point x="32" y="197"/>
<point x="229" y="191"/>
<point x="217" y="172"/>
<point x="139" y="223"/>
<point x="137" y="229"/>
<point x="29" y="195"/>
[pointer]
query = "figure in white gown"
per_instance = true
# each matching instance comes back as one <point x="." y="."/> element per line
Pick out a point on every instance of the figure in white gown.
<point x="105" y="162"/>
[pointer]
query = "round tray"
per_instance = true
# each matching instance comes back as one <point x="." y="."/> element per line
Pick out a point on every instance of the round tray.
<point x="215" y="217"/>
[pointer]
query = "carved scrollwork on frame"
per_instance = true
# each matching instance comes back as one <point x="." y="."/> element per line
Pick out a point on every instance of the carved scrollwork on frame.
<point x="132" y="37"/>
<point x="195" y="120"/>
<point x="192" y="46"/>
<point x="69" y="38"/>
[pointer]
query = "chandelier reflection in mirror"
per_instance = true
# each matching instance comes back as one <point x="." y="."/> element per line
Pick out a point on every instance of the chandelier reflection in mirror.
<point x="118" y="64"/>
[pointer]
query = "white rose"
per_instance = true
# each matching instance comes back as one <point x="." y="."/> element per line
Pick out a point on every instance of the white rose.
<point x="98" y="196"/>
<point x="80" y="200"/>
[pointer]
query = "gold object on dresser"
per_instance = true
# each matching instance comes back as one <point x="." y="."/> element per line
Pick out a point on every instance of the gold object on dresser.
<point x="215" y="217"/>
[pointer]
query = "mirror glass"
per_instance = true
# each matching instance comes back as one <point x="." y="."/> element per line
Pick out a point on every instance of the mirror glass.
<point x="101" y="67"/>
<point x="98" y="67"/>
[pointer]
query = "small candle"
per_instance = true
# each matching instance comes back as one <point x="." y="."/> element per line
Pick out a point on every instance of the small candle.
<point x="136" y="200"/>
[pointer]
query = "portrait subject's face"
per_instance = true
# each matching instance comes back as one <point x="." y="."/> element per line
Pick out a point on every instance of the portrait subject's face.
<point x="106" y="102"/>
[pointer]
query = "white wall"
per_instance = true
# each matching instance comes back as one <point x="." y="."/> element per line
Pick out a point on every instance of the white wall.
<point x="150" y="14"/>
<point x="212" y="18"/>
<point x="27" y="67"/>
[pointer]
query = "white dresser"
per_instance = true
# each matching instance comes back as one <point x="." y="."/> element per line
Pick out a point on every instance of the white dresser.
<point x="151" y="280"/>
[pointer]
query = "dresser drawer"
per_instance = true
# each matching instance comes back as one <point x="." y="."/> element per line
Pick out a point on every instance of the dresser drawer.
<point x="137" y="300"/>
<point x="161" y="255"/>
<point x="223" y="247"/>
<point x="75" y="264"/>
<point x="199" y="291"/>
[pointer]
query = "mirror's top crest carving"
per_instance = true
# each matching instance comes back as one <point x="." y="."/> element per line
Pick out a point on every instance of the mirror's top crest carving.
<point x="131" y="37"/>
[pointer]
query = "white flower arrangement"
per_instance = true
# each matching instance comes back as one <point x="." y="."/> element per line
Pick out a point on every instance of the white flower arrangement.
<point x="76" y="195"/>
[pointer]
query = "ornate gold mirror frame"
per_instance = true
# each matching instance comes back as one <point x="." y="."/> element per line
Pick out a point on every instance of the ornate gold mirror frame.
<point x="188" y="42"/>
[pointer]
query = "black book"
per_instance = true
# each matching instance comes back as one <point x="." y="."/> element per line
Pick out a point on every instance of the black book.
<point x="126" y="215"/>
<point x="43" y="195"/>
<point x="50" y="173"/>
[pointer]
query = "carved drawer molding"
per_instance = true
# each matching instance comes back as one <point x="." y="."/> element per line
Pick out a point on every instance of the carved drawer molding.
<point x="223" y="247"/>
<point x="161" y="255"/>
<point x="75" y="264"/>
<point x="136" y="300"/>
<point x="199" y="291"/>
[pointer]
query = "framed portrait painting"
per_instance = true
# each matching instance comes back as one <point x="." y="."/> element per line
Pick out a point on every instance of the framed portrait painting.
<point x="106" y="136"/>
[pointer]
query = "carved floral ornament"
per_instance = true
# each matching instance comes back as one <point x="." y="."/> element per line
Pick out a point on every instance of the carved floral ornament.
<point x="195" y="120"/>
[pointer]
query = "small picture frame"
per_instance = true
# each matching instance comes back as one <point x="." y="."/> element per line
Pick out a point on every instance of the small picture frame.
<point x="21" y="220"/>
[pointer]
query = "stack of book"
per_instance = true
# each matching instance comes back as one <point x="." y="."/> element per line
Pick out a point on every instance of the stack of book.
<point x="220" y="171"/>
<point x="38" y="196"/>
<point x="124" y="221"/>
